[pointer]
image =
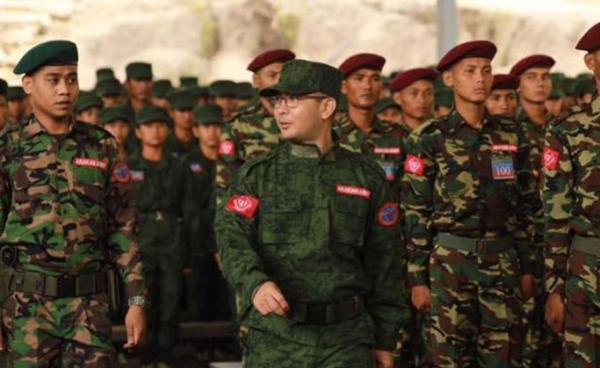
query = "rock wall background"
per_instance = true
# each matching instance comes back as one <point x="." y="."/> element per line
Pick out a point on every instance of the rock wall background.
<point x="216" y="38"/>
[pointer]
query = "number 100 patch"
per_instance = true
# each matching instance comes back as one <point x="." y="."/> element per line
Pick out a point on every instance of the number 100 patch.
<point x="503" y="168"/>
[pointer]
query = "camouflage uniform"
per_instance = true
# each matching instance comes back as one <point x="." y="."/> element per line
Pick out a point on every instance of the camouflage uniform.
<point x="158" y="199"/>
<point x="461" y="185"/>
<point x="541" y="346"/>
<point x="571" y="228"/>
<point x="252" y="133"/>
<point x="65" y="210"/>
<point x="324" y="229"/>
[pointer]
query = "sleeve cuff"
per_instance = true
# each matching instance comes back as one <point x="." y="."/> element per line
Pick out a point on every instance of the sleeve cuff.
<point x="386" y="340"/>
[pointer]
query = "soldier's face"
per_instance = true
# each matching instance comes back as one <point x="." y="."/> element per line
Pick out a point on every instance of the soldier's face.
<point x="53" y="90"/>
<point x="363" y="87"/>
<point x="15" y="109"/>
<point x="416" y="99"/>
<point x="267" y="76"/>
<point x="535" y="85"/>
<point x="471" y="79"/>
<point x="153" y="134"/>
<point x="304" y="122"/>
<point x="502" y="102"/>
<point x="119" y="129"/>
<point x="3" y="111"/>
<point x="183" y="119"/>
<point x="391" y="114"/>
<point x="208" y="134"/>
<point x="139" y="89"/>
<point x="90" y="115"/>
<point x="228" y="104"/>
<point x="555" y="106"/>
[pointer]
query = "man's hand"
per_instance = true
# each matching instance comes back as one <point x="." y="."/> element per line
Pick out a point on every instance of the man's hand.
<point x="421" y="297"/>
<point x="135" y="325"/>
<point x="217" y="258"/>
<point x="555" y="313"/>
<point x="527" y="286"/>
<point x="269" y="299"/>
<point x="383" y="359"/>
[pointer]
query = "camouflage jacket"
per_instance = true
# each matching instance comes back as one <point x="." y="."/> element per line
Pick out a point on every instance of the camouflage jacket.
<point x="571" y="168"/>
<point x="252" y="133"/>
<point x="324" y="229"/>
<point x="66" y="202"/>
<point x="384" y="144"/>
<point x="469" y="183"/>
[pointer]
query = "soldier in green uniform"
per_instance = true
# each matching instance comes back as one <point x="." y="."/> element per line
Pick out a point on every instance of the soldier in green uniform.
<point x="160" y="90"/>
<point x="388" y="110"/>
<point x="181" y="138"/>
<point x="444" y="102"/>
<point x="158" y="183"/>
<point x="465" y="197"/>
<point x="244" y="94"/>
<point x="541" y="347"/>
<point x="65" y="214"/>
<point x="572" y="223"/>
<point x="188" y="81"/>
<point x="87" y="107"/>
<point x="139" y="84"/>
<point x="253" y="131"/>
<point x="4" y="118"/>
<point x="17" y="104"/>
<point x="104" y="74"/>
<point x="111" y="91"/>
<point x="555" y="101"/>
<point x="224" y="95"/>
<point x="310" y="240"/>
<point x="117" y="120"/>
<point x="413" y="91"/>
<point x="503" y="97"/>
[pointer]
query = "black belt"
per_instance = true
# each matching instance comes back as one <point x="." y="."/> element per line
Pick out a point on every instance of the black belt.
<point x="60" y="286"/>
<point x="475" y="245"/>
<point x="325" y="314"/>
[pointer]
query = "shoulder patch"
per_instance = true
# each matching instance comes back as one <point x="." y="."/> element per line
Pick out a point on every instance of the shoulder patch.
<point x="550" y="159"/>
<point x="414" y="165"/>
<point x="121" y="173"/>
<point x="388" y="214"/>
<point x="243" y="205"/>
<point x="227" y="148"/>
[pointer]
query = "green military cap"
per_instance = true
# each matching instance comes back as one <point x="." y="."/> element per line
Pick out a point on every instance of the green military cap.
<point x="56" y="52"/>
<point x="138" y="70"/>
<point x="584" y="75"/>
<point x="198" y="91"/>
<point x="113" y="113"/>
<point x="208" y="114"/>
<point x="181" y="99"/>
<point x="104" y="73"/>
<point x="188" y="81"/>
<point x="301" y="77"/>
<point x="15" y="93"/>
<point x="244" y="90"/>
<point x="385" y="103"/>
<point x="151" y="114"/>
<point x="223" y="88"/>
<point x="558" y="83"/>
<point x="444" y="97"/>
<point x="87" y="100"/>
<point x="3" y="87"/>
<point x="583" y="86"/>
<point x="109" y="87"/>
<point x="161" y="88"/>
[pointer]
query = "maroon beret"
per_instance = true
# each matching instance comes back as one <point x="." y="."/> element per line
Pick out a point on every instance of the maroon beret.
<point x="359" y="61"/>
<point x="268" y="57"/>
<point x="471" y="49"/>
<point x="590" y="40"/>
<point x="538" y="60"/>
<point x="504" y="81"/>
<point x="410" y="76"/>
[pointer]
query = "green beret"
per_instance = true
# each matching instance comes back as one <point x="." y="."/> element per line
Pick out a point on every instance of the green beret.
<point x="385" y="103"/>
<point x="57" y="52"/>
<point x="161" y="88"/>
<point x="181" y="99"/>
<point x="444" y="97"/>
<point x="109" y="87"/>
<point x="198" y="91"/>
<point x="151" y="114"/>
<point x="244" y="90"/>
<point x="110" y="114"/>
<point x="3" y="87"/>
<point x="15" y="93"/>
<point x="188" y="81"/>
<point x="138" y="71"/>
<point x="223" y="88"/>
<point x="104" y="73"/>
<point x="584" y="86"/>
<point x="300" y="77"/>
<point x="208" y="114"/>
<point x="87" y="100"/>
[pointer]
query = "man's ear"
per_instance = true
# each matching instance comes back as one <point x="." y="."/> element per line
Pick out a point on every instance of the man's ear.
<point x="27" y="81"/>
<point x="328" y="108"/>
<point x="255" y="80"/>
<point x="137" y="133"/>
<point x="589" y="60"/>
<point x="448" y="78"/>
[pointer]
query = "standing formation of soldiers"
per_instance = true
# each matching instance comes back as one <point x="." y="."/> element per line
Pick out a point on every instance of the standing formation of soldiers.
<point x="442" y="217"/>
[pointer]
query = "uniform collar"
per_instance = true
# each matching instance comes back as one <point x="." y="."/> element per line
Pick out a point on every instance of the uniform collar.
<point x="311" y="151"/>
<point x="346" y="125"/>
<point x="33" y="127"/>
<point x="454" y="121"/>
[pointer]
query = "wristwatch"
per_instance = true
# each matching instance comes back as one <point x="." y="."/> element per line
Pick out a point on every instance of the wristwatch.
<point x="138" y="300"/>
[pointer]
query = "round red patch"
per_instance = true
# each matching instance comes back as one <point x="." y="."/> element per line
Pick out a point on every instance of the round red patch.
<point x="388" y="214"/>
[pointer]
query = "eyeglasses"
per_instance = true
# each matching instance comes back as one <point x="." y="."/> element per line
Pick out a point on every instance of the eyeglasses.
<point x="292" y="101"/>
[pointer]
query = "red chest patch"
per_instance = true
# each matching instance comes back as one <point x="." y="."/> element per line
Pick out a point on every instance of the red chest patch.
<point x="414" y="165"/>
<point x="550" y="159"/>
<point x="243" y="205"/>
<point x="90" y="162"/>
<point x="504" y="148"/>
<point x="353" y="191"/>
<point x="387" y="150"/>
<point x="226" y="148"/>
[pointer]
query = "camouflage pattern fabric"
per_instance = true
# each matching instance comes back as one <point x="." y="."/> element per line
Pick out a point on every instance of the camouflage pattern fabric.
<point x="571" y="201"/>
<point x="324" y="228"/>
<point x="474" y="184"/>
<point x="65" y="208"/>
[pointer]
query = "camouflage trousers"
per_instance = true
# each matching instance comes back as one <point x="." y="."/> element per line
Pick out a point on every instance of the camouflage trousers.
<point x="413" y="348"/>
<point x="265" y="350"/>
<point x="475" y="309"/>
<point x="65" y="332"/>
<point x="582" y="312"/>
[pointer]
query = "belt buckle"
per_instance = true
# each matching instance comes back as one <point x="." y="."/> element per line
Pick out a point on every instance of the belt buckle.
<point x="65" y="286"/>
<point x="480" y="245"/>
<point x="158" y="216"/>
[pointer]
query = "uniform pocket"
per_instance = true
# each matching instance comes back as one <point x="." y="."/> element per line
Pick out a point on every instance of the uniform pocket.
<point x="348" y="220"/>
<point x="282" y="222"/>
